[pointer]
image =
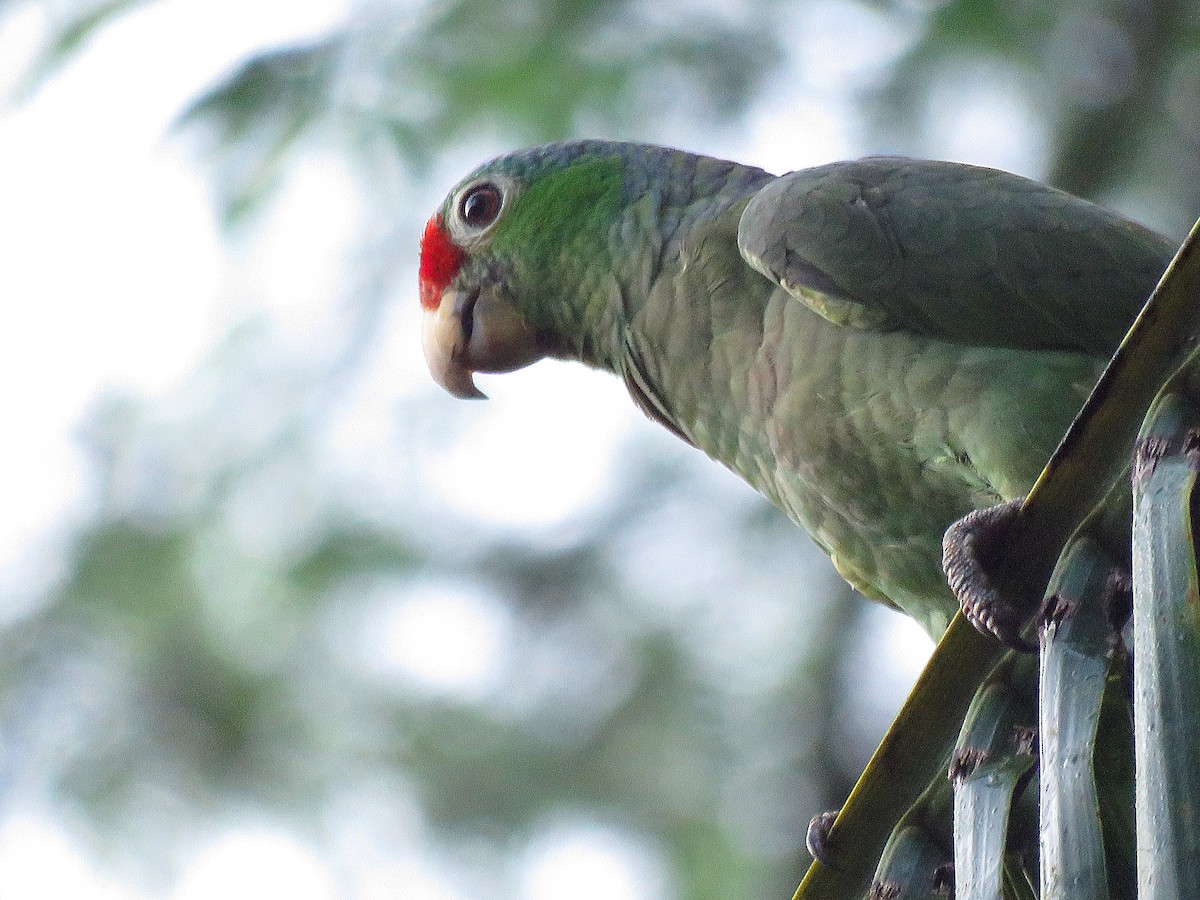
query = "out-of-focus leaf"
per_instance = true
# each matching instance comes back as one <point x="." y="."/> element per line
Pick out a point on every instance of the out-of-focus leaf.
<point x="1120" y="54"/>
<point x="353" y="550"/>
<point x="1089" y="75"/>
<point x="76" y="23"/>
<point x="259" y="113"/>
<point x="531" y="70"/>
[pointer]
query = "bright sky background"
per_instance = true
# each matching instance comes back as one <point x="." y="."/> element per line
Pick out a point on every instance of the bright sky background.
<point x="112" y="276"/>
<point x="116" y="279"/>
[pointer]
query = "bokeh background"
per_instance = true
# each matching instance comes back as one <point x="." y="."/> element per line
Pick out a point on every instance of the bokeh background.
<point x="280" y="619"/>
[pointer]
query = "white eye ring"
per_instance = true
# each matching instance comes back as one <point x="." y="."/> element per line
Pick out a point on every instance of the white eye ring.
<point x="476" y="208"/>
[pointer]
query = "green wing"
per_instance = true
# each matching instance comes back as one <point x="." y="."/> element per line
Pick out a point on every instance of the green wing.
<point x="962" y="253"/>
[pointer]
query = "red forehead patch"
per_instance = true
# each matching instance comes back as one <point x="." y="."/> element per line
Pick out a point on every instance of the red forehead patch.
<point x="440" y="259"/>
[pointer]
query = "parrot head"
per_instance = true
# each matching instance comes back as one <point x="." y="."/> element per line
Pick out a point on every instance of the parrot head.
<point x="471" y="322"/>
<point x="513" y="254"/>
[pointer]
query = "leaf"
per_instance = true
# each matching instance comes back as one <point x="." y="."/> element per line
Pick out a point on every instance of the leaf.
<point x="1166" y="611"/>
<point x="78" y="27"/>
<point x="994" y="754"/>
<point x="1076" y="651"/>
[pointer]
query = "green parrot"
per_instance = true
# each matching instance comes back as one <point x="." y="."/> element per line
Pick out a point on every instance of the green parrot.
<point x="879" y="346"/>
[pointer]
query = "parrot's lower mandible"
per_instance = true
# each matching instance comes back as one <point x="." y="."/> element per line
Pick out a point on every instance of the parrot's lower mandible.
<point x="880" y="346"/>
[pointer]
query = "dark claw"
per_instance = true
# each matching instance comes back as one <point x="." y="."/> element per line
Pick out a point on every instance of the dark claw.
<point x="818" y="835"/>
<point x="997" y="617"/>
<point x="966" y="550"/>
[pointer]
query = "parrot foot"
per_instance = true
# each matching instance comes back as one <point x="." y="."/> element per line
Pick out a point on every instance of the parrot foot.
<point x="966" y="553"/>
<point x="816" y="840"/>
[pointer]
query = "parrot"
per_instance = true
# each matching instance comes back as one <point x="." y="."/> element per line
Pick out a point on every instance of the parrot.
<point x="878" y="346"/>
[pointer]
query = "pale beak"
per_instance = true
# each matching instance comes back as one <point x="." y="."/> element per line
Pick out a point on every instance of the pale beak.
<point x="473" y="332"/>
<point x="445" y="344"/>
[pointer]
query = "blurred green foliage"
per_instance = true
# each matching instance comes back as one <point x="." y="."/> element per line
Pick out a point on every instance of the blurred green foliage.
<point x="196" y="659"/>
<point x="529" y="71"/>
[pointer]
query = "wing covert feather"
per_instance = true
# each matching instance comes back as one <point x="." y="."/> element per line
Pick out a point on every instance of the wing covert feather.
<point x="962" y="253"/>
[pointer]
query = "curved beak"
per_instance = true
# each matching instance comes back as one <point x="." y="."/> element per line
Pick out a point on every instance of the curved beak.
<point x="445" y="340"/>
<point x="473" y="332"/>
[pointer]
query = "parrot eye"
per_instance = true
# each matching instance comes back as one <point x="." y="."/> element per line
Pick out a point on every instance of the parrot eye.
<point x="480" y="205"/>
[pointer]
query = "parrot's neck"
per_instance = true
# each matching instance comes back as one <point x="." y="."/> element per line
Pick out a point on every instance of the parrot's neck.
<point x="622" y="299"/>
